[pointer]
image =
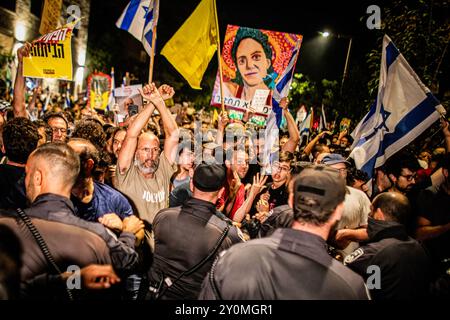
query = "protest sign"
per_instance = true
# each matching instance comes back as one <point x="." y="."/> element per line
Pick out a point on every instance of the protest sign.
<point x="127" y="96"/>
<point x="253" y="59"/>
<point x="51" y="55"/>
<point x="99" y="88"/>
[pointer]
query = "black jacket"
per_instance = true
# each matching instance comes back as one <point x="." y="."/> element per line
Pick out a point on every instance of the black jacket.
<point x="290" y="264"/>
<point x="184" y="236"/>
<point x="403" y="263"/>
<point x="57" y="208"/>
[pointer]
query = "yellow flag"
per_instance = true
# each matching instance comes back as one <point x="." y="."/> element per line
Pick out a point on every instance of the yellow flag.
<point x="215" y="116"/>
<point x="194" y="44"/>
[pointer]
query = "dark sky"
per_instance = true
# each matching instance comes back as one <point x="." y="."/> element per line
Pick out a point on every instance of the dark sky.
<point x="319" y="58"/>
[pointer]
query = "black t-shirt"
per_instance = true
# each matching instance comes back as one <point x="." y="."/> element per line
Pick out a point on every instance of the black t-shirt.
<point x="12" y="187"/>
<point x="435" y="207"/>
<point x="278" y="197"/>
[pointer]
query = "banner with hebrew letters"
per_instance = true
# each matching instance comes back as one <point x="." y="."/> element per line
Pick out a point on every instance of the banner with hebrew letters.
<point x="51" y="55"/>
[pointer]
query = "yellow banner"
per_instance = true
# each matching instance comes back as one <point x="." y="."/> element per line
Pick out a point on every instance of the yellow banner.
<point x="50" y="16"/>
<point x="51" y="55"/>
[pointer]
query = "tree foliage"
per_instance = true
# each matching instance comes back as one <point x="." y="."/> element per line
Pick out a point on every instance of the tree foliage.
<point x="421" y="31"/>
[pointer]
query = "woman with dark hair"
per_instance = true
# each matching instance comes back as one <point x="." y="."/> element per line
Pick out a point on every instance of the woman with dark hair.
<point x="252" y="56"/>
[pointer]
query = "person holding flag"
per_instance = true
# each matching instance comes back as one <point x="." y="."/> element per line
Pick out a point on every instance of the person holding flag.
<point x="403" y="109"/>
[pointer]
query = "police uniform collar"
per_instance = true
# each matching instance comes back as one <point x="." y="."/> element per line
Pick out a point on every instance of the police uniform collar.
<point x="199" y="206"/>
<point x="378" y="230"/>
<point x="302" y="243"/>
<point x="50" y="202"/>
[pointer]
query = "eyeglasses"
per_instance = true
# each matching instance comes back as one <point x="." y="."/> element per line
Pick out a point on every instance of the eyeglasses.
<point x="409" y="177"/>
<point x="278" y="167"/>
<point x="151" y="150"/>
<point x="62" y="130"/>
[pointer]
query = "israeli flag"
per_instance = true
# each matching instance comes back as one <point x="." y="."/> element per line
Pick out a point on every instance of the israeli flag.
<point x="275" y="117"/>
<point x="403" y="109"/>
<point x="140" y="18"/>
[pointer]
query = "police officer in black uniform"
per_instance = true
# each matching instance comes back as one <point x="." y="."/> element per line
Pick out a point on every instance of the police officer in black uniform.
<point x="292" y="263"/>
<point x="402" y="264"/>
<point x="187" y="238"/>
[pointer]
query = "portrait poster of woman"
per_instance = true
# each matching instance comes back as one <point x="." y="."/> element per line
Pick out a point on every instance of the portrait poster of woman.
<point x="252" y="59"/>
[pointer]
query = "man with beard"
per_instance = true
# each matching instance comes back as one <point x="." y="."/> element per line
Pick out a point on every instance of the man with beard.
<point x="143" y="171"/>
<point x="401" y="170"/>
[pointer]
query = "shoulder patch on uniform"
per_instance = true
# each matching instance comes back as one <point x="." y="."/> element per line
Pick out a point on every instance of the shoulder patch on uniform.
<point x="353" y="256"/>
<point x="240" y="234"/>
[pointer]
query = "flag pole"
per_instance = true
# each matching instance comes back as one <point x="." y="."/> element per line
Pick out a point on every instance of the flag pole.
<point x="219" y="58"/>
<point x="152" y="57"/>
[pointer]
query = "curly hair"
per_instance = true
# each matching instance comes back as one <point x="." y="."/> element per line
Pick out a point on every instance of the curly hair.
<point x="20" y="138"/>
<point x="48" y="130"/>
<point x="261" y="38"/>
<point x="91" y="131"/>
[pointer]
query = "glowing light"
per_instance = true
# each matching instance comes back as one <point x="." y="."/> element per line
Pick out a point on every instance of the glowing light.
<point x="20" y="31"/>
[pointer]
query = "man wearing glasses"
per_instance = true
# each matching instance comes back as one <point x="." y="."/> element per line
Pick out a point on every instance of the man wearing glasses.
<point x="143" y="169"/>
<point x="59" y="126"/>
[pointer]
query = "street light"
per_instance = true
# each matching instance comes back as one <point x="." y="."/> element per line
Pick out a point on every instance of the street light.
<point x="326" y="34"/>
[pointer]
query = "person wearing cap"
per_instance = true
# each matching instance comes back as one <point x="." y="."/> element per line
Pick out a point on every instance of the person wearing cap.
<point x="292" y="263"/>
<point x="186" y="235"/>
<point x="352" y="227"/>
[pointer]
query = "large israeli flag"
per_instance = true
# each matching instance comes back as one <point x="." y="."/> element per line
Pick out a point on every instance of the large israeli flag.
<point x="403" y="109"/>
<point x="140" y="18"/>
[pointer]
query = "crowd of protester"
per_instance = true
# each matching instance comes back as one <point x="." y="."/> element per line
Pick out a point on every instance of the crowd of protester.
<point x="174" y="204"/>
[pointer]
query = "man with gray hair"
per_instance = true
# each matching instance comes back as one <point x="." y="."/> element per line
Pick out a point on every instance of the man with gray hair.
<point x="292" y="263"/>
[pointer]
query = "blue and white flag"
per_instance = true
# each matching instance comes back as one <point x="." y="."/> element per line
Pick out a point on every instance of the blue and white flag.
<point x="275" y="117"/>
<point x="403" y="109"/>
<point x="67" y="103"/>
<point x="305" y="126"/>
<point x="140" y="18"/>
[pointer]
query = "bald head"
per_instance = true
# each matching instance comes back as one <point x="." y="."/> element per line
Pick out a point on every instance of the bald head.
<point x="394" y="206"/>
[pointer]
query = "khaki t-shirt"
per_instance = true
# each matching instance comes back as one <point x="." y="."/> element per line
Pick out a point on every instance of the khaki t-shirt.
<point x="148" y="195"/>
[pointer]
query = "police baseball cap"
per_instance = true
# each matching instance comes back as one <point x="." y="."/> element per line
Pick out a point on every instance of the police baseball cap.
<point x="334" y="158"/>
<point x="209" y="177"/>
<point x="318" y="189"/>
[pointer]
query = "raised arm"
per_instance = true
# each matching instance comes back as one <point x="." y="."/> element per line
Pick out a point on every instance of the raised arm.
<point x="294" y="136"/>
<point x="170" y="125"/>
<point x="126" y="154"/>
<point x="446" y="131"/>
<point x="313" y="142"/>
<point x="221" y="125"/>
<point x="19" y="83"/>
<point x="257" y="186"/>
